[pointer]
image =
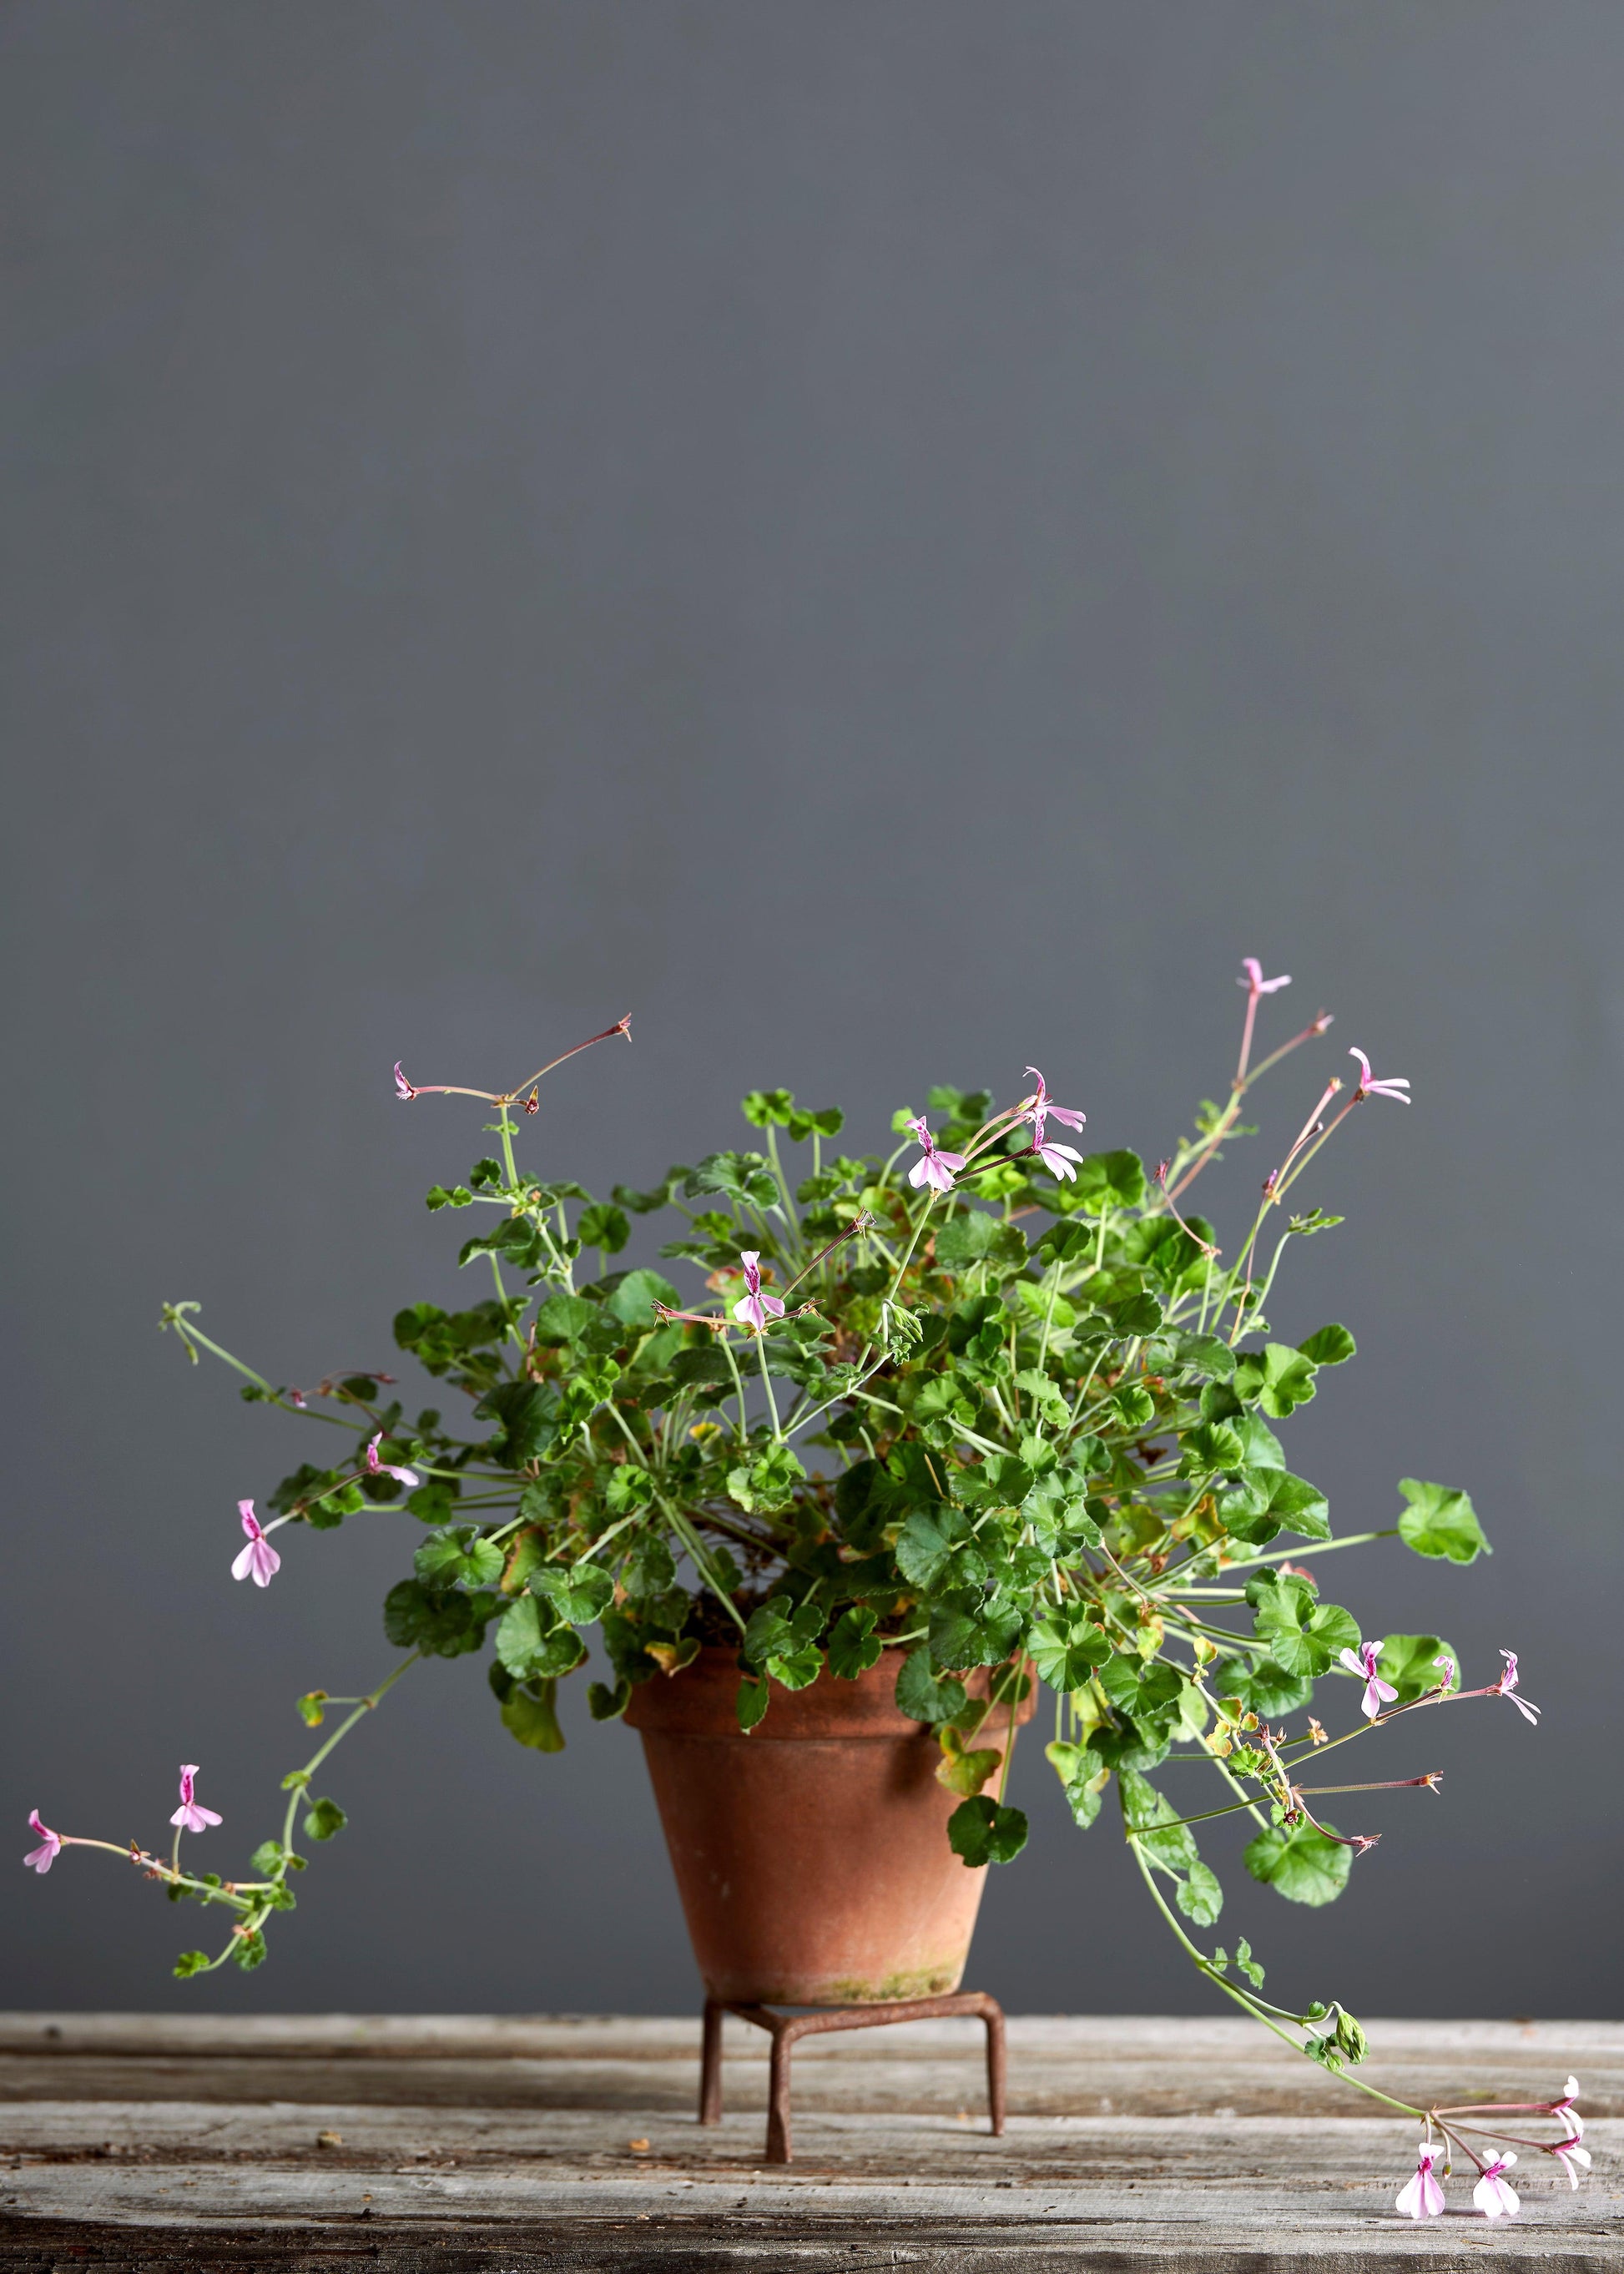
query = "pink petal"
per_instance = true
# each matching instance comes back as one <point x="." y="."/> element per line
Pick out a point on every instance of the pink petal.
<point x="1072" y="1120"/>
<point x="950" y="1160"/>
<point x="773" y="1304"/>
<point x="921" y="1170"/>
<point x="242" y="1564"/>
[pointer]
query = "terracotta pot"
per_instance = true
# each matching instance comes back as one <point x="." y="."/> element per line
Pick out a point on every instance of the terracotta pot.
<point x="811" y="1855"/>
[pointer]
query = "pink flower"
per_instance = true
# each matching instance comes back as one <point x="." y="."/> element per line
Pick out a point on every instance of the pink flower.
<point x="402" y="1087"/>
<point x="295" y="1397"/>
<point x="259" y="1561"/>
<point x="1376" y="1691"/>
<point x="936" y="1169"/>
<point x="1055" y="1157"/>
<point x="1254" y="981"/>
<point x="1424" y="2198"/>
<point x="191" y="1816"/>
<point x="1508" y="1683"/>
<point x="1567" y="2153"/>
<point x="1493" y="2197"/>
<point x="1447" y="1668"/>
<point x="377" y="1468"/>
<point x="1565" y="2113"/>
<point x="1395" y="1086"/>
<point x="1041" y="1104"/>
<point x="755" y="1309"/>
<point x="40" y="1859"/>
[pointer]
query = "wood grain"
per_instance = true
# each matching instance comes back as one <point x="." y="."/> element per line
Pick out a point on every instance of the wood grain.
<point x="138" y="2142"/>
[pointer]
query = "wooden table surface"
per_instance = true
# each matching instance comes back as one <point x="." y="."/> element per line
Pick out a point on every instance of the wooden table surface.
<point x="439" y="2144"/>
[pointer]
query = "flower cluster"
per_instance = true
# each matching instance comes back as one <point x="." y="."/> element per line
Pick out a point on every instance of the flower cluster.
<point x="987" y="1409"/>
<point x="1423" y="2197"/>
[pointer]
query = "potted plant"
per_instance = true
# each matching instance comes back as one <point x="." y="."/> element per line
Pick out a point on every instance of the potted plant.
<point x="945" y="1426"/>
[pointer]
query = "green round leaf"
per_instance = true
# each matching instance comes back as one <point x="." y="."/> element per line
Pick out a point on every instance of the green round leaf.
<point x="1300" y="1864"/>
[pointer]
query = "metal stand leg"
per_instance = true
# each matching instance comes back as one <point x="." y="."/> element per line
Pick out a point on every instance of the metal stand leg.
<point x="777" y="2095"/>
<point x="784" y="2029"/>
<point x="998" y="2065"/>
<point x="710" y="2066"/>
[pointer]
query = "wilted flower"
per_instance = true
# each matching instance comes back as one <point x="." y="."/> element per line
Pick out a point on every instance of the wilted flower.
<point x="754" y="1309"/>
<point x="40" y="1859"/>
<point x="1376" y="1691"/>
<point x="1448" y="1670"/>
<point x="402" y="1087"/>
<point x="377" y="1468"/>
<point x="1256" y="982"/>
<point x="1493" y="2195"/>
<point x="1393" y="1086"/>
<point x="191" y="1815"/>
<point x="937" y="1166"/>
<point x="1508" y="1683"/>
<point x="259" y="1561"/>
<point x="1424" y="2198"/>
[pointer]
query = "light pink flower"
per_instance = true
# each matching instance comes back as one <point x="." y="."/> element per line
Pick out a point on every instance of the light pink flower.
<point x="259" y="1561"/>
<point x="1493" y="2195"/>
<point x="191" y="1815"/>
<point x="377" y="1468"/>
<point x="1448" y="1670"/>
<point x="1424" y="2198"/>
<point x="1041" y="1104"/>
<point x="40" y="1859"/>
<point x="1567" y="2153"/>
<point x="1377" y="1692"/>
<point x="1255" y="982"/>
<point x="295" y="1397"/>
<point x="1508" y="1683"/>
<point x="1393" y="1086"/>
<point x="1055" y="1157"/>
<point x="402" y="1087"/>
<point x="1565" y="2113"/>
<point x="754" y="1309"/>
<point x="937" y="1166"/>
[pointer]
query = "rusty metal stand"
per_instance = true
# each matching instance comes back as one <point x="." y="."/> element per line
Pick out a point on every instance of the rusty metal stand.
<point x="784" y="2029"/>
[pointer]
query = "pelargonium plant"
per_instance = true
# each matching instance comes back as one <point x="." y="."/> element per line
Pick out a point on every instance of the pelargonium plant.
<point x="982" y="1401"/>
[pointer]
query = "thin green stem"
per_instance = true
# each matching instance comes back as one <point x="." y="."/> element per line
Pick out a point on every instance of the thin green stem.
<point x="772" y="1402"/>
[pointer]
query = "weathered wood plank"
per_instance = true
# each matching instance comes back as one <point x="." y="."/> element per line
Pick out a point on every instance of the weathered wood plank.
<point x="580" y="2151"/>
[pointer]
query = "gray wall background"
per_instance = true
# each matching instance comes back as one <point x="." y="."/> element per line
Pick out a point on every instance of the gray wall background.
<point x="891" y="541"/>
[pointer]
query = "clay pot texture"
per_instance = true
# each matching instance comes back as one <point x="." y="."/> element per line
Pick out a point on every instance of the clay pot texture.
<point x="811" y="1855"/>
